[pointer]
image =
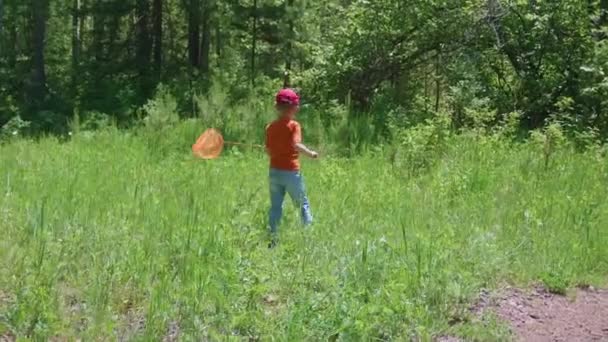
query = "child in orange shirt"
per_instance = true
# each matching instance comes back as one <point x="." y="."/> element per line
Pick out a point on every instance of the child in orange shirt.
<point x="283" y="145"/>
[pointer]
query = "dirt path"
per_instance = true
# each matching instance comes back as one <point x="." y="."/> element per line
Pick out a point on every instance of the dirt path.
<point x="538" y="315"/>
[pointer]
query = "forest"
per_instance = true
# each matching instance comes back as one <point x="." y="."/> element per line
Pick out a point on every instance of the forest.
<point x="459" y="193"/>
<point x="389" y="61"/>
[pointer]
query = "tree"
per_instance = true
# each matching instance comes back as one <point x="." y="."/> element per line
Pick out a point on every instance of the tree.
<point x="76" y="41"/>
<point x="382" y="39"/>
<point x="37" y="85"/>
<point x="157" y="14"/>
<point x="541" y="58"/>
<point x="99" y="19"/>
<point x="254" y="39"/>
<point x="1" y="26"/>
<point x="144" y="44"/>
<point x="545" y="44"/>
<point x="218" y="33"/>
<point x="194" y="25"/>
<point x="206" y="37"/>
<point x="603" y="12"/>
<point x="290" y="36"/>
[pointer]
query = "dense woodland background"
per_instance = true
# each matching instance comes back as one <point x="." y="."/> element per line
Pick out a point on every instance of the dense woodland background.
<point x="390" y="61"/>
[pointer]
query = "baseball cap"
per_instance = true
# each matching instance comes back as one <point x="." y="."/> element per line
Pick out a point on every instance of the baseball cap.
<point x="288" y="96"/>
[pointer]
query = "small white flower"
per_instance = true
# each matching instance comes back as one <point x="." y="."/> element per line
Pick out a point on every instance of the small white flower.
<point x="15" y="132"/>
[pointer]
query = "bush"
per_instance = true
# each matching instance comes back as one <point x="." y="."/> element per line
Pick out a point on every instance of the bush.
<point x="416" y="149"/>
<point x="548" y="141"/>
<point x="241" y="118"/>
<point x="91" y="121"/>
<point x="161" y="117"/>
<point x="161" y="111"/>
<point x="14" y="128"/>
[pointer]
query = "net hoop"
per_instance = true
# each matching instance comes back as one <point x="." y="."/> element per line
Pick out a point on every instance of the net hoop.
<point x="209" y="145"/>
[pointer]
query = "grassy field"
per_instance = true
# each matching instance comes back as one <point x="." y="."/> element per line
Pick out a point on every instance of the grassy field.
<point x="109" y="236"/>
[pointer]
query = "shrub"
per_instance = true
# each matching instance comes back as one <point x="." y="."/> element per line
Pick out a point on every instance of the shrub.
<point x="91" y="121"/>
<point x="161" y="110"/>
<point x="15" y="127"/>
<point x="241" y="118"/>
<point x="417" y="148"/>
<point x="548" y="141"/>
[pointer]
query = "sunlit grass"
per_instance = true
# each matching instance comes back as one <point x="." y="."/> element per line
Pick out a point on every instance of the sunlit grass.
<point x="109" y="236"/>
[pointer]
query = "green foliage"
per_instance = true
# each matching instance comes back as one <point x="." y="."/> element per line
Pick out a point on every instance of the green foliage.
<point x="8" y="107"/>
<point x="13" y="129"/>
<point x="548" y="141"/>
<point x="381" y="40"/>
<point x="542" y="47"/>
<point x="418" y="148"/>
<point x="477" y="61"/>
<point x="91" y="121"/>
<point x="240" y="119"/>
<point x="555" y="283"/>
<point x="161" y="111"/>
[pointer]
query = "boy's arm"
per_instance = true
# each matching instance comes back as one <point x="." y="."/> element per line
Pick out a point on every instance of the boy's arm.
<point x="297" y="141"/>
<point x="305" y="150"/>
<point x="266" y="142"/>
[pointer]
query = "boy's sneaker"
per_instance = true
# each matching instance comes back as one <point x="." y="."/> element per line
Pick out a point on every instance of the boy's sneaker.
<point x="272" y="244"/>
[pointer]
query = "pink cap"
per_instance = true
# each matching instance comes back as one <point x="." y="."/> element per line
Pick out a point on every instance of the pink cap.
<point x="288" y="96"/>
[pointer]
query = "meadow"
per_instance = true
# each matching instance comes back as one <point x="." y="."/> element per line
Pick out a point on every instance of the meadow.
<point x="113" y="235"/>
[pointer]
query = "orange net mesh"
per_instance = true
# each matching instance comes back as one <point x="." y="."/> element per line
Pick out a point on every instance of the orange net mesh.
<point x="209" y="145"/>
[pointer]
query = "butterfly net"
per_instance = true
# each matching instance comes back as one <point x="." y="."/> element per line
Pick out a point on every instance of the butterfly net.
<point x="209" y="145"/>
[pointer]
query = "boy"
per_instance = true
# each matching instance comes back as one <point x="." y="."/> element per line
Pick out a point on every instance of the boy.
<point x="283" y="145"/>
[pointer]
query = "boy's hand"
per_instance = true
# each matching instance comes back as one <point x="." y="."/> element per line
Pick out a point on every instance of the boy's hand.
<point x="314" y="155"/>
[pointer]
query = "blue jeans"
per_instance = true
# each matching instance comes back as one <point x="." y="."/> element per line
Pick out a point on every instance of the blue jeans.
<point x="290" y="182"/>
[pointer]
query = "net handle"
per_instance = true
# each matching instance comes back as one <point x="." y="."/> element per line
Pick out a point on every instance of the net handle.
<point x="234" y="143"/>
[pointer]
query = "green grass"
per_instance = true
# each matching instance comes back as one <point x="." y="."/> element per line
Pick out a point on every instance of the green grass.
<point x="113" y="236"/>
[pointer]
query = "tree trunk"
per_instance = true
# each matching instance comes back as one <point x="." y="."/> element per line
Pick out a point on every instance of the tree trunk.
<point x="254" y="39"/>
<point x="113" y="28"/>
<point x="438" y="81"/>
<point x="83" y="17"/>
<point x="426" y="91"/>
<point x="170" y="33"/>
<point x="144" y="45"/>
<point x="76" y="39"/>
<point x="158" y="37"/>
<point x="12" y="46"/>
<point x="289" y="42"/>
<point x="98" y="35"/>
<point x="603" y="12"/>
<point x="1" y="27"/>
<point x="142" y="35"/>
<point x="206" y="38"/>
<point x="194" y="25"/>
<point x="218" y="41"/>
<point x="38" y="77"/>
<point x="76" y="44"/>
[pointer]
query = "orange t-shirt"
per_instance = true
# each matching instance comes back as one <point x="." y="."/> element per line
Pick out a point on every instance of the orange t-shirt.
<point x="281" y="137"/>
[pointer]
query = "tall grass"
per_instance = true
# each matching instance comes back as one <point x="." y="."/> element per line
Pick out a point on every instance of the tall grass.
<point x="116" y="235"/>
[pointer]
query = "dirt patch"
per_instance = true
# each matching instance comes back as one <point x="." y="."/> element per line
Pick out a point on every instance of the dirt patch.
<point x="133" y="323"/>
<point x="173" y="332"/>
<point x="448" y="339"/>
<point x="537" y="315"/>
<point x="7" y="337"/>
<point x="5" y="301"/>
